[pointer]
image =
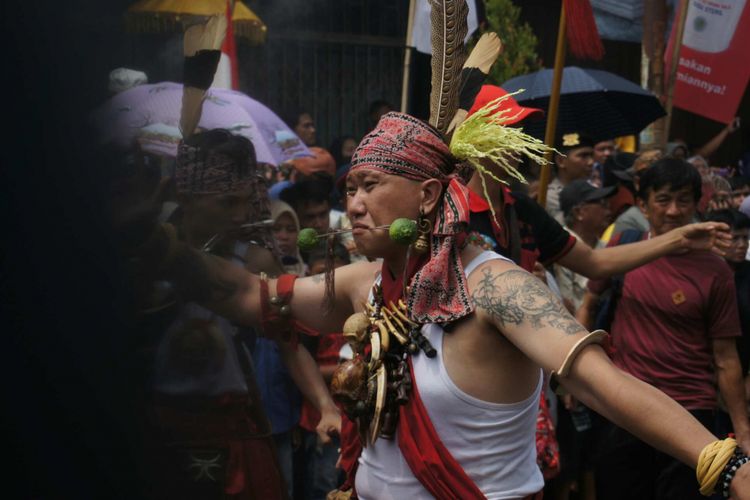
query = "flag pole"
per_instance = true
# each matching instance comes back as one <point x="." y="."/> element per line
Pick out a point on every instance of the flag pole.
<point x="554" y="106"/>
<point x="407" y="58"/>
<point x="673" y="69"/>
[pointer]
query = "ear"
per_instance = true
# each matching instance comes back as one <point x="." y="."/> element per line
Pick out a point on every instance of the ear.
<point x="578" y="212"/>
<point x="559" y="159"/>
<point x="643" y="206"/>
<point x="430" y="192"/>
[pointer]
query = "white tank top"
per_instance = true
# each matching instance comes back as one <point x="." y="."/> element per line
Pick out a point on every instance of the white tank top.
<point x="493" y="442"/>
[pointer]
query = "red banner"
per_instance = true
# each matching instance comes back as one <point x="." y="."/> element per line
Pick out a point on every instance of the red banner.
<point x="714" y="61"/>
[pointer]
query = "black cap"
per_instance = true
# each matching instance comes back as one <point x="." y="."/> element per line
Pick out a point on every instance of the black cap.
<point x="619" y="167"/>
<point x="581" y="191"/>
<point x="627" y="175"/>
<point x="574" y="139"/>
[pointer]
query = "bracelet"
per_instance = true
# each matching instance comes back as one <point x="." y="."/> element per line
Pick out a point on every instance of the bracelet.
<point x="596" y="337"/>
<point x="737" y="460"/>
<point x="276" y="313"/>
<point x="198" y="70"/>
<point x="712" y="461"/>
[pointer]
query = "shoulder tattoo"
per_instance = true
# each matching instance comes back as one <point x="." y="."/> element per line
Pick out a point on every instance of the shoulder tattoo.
<point x="516" y="297"/>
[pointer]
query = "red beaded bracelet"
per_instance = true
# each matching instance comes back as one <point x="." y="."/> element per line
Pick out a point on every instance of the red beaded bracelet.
<point x="276" y="311"/>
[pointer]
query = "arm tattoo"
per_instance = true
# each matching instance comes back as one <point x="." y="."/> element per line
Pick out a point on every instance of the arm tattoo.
<point x="515" y="297"/>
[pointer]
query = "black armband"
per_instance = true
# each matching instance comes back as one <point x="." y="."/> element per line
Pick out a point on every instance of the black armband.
<point x="198" y="70"/>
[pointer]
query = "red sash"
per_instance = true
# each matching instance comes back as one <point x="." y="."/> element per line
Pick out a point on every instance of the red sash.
<point x="430" y="461"/>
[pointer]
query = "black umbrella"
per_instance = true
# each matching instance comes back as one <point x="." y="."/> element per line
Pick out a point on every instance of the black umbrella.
<point x="598" y="102"/>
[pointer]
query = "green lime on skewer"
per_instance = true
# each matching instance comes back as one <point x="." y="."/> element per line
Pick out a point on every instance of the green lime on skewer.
<point x="307" y="239"/>
<point x="403" y="231"/>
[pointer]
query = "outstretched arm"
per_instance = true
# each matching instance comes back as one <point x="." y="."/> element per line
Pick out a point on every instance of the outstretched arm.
<point x="605" y="262"/>
<point x="533" y="319"/>
<point x="729" y="377"/>
<point x="234" y="293"/>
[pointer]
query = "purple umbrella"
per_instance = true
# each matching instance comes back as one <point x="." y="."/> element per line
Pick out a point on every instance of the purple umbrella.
<point x="150" y="114"/>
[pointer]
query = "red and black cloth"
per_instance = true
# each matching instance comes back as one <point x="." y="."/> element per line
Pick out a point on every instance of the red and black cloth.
<point x="541" y="237"/>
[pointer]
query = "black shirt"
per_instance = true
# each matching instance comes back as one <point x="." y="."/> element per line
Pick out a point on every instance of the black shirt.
<point x="539" y="238"/>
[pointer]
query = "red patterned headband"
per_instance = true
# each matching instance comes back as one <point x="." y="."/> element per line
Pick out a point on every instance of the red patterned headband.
<point x="405" y="146"/>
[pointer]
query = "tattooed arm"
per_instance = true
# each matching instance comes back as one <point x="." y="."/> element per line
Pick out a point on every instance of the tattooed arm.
<point x="234" y="293"/>
<point x="519" y="305"/>
<point x="533" y="319"/>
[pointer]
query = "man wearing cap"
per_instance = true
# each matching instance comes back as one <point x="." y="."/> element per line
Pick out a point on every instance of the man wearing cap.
<point x="587" y="215"/>
<point x="463" y="425"/>
<point x="575" y="162"/>
<point x="320" y="161"/>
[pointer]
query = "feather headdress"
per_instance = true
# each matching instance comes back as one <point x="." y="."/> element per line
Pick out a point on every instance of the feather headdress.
<point x="201" y="45"/>
<point x="448" y="30"/>
<point x="484" y="135"/>
<point x="473" y="74"/>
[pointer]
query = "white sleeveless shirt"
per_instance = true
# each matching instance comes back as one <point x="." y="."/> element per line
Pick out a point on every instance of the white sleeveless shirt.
<point x="494" y="443"/>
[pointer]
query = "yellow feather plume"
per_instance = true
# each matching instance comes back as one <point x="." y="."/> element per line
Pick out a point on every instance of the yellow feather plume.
<point x="484" y="135"/>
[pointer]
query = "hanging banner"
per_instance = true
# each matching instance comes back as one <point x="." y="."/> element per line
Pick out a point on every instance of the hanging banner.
<point x="714" y="61"/>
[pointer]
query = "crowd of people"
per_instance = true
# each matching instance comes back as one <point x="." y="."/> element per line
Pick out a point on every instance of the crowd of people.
<point x="651" y="246"/>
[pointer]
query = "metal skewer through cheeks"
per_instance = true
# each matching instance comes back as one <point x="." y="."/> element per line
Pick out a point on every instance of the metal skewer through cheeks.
<point x="341" y="231"/>
<point x="213" y="240"/>
<point x="402" y="231"/>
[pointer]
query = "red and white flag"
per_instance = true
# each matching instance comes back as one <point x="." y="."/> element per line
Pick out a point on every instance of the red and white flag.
<point x="227" y="76"/>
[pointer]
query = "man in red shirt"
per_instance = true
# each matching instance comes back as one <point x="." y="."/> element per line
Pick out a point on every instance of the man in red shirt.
<point x="674" y="327"/>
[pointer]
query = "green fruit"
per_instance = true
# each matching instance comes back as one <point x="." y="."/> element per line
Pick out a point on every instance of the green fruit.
<point x="307" y="239"/>
<point x="403" y="231"/>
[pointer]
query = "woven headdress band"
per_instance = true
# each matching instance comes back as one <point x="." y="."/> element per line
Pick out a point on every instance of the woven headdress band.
<point x="210" y="172"/>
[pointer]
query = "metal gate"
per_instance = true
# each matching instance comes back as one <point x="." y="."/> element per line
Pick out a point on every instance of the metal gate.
<point x="332" y="58"/>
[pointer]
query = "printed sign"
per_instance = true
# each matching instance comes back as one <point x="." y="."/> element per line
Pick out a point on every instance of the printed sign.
<point x="714" y="61"/>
